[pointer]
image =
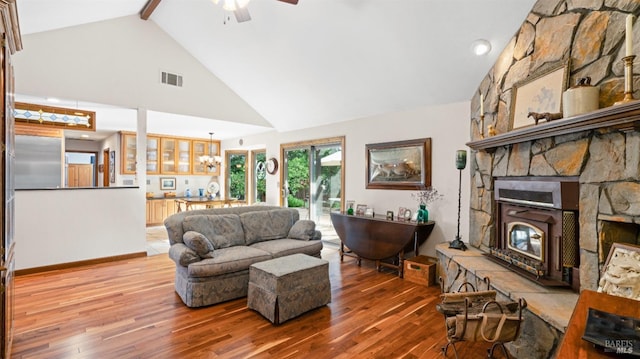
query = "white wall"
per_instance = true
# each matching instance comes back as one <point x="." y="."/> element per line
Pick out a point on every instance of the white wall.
<point x="81" y="145"/>
<point x="448" y="127"/>
<point x="118" y="62"/>
<point x="64" y="226"/>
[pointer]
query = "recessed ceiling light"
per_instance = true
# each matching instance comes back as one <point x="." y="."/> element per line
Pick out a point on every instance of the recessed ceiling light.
<point x="84" y="136"/>
<point x="52" y="99"/>
<point x="481" y="47"/>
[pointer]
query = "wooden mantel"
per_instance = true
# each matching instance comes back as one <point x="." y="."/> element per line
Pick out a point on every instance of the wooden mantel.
<point x="625" y="117"/>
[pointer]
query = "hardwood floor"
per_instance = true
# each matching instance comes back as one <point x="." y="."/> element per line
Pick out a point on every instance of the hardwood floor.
<point x="128" y="309"/>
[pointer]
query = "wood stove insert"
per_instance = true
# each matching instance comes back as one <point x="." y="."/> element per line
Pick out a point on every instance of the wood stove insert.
<point x="537" y="228"/>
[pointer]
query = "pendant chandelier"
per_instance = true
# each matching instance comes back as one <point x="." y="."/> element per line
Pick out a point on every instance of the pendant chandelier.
<point x="211" y="162"/>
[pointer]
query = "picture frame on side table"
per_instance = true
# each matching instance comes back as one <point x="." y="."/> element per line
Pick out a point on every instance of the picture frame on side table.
<point x="167" y="183"/>
<point x="407" y="214"/>
<point x="401" y="213"/>
<point x="400" y="165"/>
<point x="540" y="93"/>
<point x="360" y="209"/>
<point x="390" y="215"/>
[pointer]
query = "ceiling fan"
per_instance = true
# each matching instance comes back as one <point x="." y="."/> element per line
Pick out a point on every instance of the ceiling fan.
<point x="239" y="7"/>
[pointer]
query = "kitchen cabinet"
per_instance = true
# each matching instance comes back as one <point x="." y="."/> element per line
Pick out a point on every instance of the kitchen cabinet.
<point x="160" y="208"/>
<point x="204" y="148"/>
<point x="128" y="154"/>
<point x="153" y="145"/>
<point x="168" y="159"/>
<point x="183" y="157"/>
<point x="156" y="211"/>
<point x="171" y="207"/>
<point x="79" y="175"/>
<point x="169" y="155"/>
<point x="149" y="212"/>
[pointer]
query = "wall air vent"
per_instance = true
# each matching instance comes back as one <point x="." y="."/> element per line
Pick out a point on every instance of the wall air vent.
<point x="171" y="79"/>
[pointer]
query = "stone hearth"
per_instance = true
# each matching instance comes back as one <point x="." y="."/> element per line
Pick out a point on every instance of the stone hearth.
<point x="548" y="309"/>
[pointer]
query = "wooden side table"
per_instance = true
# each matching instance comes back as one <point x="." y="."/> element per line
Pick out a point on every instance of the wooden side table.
<point x="377" y="239"/>
<point x="573" y="346"/>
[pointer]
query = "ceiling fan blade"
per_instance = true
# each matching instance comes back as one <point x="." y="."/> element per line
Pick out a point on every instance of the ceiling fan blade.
<point x="292" y="2"/>
<point x="242" y="14"/>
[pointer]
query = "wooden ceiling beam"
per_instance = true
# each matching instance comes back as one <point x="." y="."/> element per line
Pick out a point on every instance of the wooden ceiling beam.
<point x="148" y="8"/>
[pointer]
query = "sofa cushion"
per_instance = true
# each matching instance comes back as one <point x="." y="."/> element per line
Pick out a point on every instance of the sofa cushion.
<point x="266" y="225"/>
<point x="284" y="247"/>
<point x="183" y="255"/>
<point x="199" y="243"/>
<point x="224" y="230"/>
<point x="173" y="223"/>
<point x="303" y="229"/>
<point x="228" y="260"/>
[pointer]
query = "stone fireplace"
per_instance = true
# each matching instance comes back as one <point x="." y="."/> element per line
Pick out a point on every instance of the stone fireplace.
<point x="601" y="150"/>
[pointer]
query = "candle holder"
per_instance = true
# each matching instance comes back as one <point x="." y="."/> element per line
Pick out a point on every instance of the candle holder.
<point x="482" y="125"/>
<point x="628" y="80"/>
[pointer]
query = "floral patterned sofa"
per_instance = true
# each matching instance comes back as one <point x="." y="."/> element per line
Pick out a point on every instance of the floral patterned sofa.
<point x="213" y="248"/>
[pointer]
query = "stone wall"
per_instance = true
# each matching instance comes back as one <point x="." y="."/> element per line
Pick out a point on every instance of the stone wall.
<point x="591" y="34"/>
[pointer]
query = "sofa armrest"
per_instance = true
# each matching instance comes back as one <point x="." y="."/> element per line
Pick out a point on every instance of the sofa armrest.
<point x="183" y="255"/>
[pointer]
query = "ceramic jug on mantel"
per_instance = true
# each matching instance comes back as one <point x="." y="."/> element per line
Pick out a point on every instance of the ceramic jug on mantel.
<point x="581" y="98"/>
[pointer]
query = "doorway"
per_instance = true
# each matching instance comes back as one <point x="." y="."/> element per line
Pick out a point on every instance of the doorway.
<point x="106" y="166"/>
<point x="312" y="178"/>
<point x="258" y="183"/>
<point x="81" y="169"/>
<point x="236" y="180"/>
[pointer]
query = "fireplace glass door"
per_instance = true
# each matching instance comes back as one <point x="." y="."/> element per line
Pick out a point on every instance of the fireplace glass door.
<point x="526" y="239"/>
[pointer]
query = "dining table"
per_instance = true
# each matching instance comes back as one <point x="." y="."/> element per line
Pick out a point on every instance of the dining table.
<point x="197" y="202"/>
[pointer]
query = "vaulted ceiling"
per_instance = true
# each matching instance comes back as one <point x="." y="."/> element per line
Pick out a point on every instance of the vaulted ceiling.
<point x="314" y="63"/>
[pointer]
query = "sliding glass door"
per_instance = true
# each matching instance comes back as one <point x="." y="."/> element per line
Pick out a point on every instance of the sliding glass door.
<point x="313" y="178"/>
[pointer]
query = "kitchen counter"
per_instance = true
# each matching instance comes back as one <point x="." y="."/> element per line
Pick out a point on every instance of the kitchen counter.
<point x="72" y="188"/>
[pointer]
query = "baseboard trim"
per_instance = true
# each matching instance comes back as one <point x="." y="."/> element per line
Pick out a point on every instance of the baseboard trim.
<point x="87" y="262"/>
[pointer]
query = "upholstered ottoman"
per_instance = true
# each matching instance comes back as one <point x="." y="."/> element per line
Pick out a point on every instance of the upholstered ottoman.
<point x="285" y="287"/>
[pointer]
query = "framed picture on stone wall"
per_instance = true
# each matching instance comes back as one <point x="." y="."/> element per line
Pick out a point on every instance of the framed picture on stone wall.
<point x="540" y="93"/>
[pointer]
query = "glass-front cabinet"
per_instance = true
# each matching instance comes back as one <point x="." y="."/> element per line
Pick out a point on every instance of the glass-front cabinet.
<point x="128" y="161"/>
<point x="204" y="148"/>
<point x="153" y="144"/>
<point x="169" y="155"/>
<point x="199" y="148"/>
<point x="168" y="160"/>
<point x="184" y="157"/>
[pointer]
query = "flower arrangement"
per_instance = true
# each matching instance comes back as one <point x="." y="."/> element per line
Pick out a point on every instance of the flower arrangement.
<point x="427" y="196"/>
